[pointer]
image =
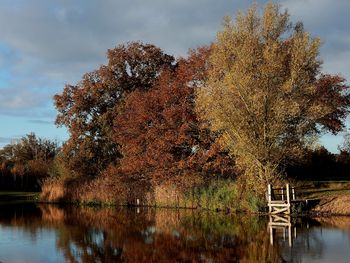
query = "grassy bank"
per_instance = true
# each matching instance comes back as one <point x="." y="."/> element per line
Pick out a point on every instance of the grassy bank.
<point x="330" y="197"/>
<point x="324" y="189"/>
<point x="10" y="196"/>
<point x="222" y="195"/>
<point x="325" y="197"/>
<point x="218" y="195"/>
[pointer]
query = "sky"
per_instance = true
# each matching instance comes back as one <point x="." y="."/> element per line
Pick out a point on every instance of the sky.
<point x="47" y="44"/>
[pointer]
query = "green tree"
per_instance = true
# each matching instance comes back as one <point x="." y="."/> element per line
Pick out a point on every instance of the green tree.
<point x="263" y="95"/>
<point x="26" y="162"/>
<point x="29" y="148"/>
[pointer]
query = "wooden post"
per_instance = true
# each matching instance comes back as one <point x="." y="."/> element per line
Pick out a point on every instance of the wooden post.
<point x="290" y="242"/>
<point x="269" y="192"/>
<point x="288" y="198"/>
<point x="293" y="193"/>
<point x="271" y="235"/>
<point x="271" y="229"/>
<point x="282" y="194"/>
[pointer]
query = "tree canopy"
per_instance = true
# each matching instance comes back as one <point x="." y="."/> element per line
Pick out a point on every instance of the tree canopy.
<point x="158" y="129"/>
<point x="88" y="108"/>
<point x="249" y="103"/>
<point x="265" y="92"/>
<point x="29" y="157"/>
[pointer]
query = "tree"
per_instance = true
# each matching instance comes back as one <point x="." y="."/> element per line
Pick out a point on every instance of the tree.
<point x="30" y="157"/>
<point x="87" y="109"/>
<point x="334" y="95"/>
<point x="159" y="132"/>
<point x="265" y="94"/>
<point x="29" y="148"/>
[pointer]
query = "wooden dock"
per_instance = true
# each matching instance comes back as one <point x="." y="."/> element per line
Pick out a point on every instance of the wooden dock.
<point x="282" y="224"/>
<point x="280" y="200"/>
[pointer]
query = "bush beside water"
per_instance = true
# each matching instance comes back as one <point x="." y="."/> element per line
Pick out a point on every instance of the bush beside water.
<point x="218" y="195"/>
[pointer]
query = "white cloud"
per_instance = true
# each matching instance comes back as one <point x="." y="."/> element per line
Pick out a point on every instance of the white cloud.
<point x="45" y="44"/>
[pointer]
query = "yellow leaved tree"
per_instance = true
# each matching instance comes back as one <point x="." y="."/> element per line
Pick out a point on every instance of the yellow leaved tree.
<point x="261" y="93"/>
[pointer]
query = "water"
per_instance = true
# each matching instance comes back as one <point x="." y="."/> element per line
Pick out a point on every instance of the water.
<point x="46" y="233"/>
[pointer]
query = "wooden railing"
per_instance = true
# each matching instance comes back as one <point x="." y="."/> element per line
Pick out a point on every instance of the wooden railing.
<point x="280" y="199"/>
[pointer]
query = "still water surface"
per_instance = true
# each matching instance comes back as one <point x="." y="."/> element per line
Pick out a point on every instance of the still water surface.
<point x="46" y="233"/>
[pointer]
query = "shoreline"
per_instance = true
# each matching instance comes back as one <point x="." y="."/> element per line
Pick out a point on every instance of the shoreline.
<point x="317" y="211"/>
<point x="323" y="207"/>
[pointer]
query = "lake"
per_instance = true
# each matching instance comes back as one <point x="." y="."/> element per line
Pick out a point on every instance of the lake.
<point x="49" y="233"/>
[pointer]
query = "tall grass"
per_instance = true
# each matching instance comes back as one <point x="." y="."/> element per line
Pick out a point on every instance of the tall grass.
<point x="226" y="195"/>
<point x="53" y="190"/>
<point x="223" y="195"/>
<point x="218" y="195"/>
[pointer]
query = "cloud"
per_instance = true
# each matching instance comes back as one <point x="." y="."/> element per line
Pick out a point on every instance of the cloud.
<point x="40" y="122"/>
<point x="81" y="31"/>
<point x="9" y="140"/>
<point x="61" y="40"/>
<point x="5" y="140"/>
<point x="328" y="20"/>
<point x="46" y="44"/>
<point x="24" y="100"/>
<point x="17" y="98"/>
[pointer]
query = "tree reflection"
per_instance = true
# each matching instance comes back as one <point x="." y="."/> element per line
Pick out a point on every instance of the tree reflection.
<point x="159" y="235"/>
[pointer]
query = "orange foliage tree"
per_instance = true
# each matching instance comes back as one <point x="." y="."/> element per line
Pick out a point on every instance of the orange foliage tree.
<point x="88" y="108"/>
<point x="159" y="132"/>
<point x="333" y="92"/>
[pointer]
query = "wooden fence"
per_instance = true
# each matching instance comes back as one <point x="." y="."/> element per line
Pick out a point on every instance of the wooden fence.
<point x="281" y="199"/>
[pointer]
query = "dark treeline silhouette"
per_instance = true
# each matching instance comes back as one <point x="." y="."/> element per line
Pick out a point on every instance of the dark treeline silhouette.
<point x="320" y="164"/>
<point x="26" y="163"/>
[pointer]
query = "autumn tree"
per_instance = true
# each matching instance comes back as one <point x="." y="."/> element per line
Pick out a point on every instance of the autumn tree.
<point x="265" y="94"/>
<point x="333" y="94"/>
<point x="160" y="135"/>
<point x="31" y="157"/>
<point x="88" y="108"/>
<point x="29" y="148"/>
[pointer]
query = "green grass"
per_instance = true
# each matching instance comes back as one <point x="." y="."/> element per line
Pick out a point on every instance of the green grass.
<point x="322" y="193"/>
<point x="10" y="196"/>
<point x="224" y="195"/>
<point x="323" y="189"/>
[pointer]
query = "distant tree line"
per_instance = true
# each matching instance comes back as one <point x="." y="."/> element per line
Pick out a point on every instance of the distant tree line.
<point x="26" y="162"/>
<point x="320" y="164"/>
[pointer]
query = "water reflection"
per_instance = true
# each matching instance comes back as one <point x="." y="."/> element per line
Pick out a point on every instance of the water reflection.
<point x="70" y="234"/>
